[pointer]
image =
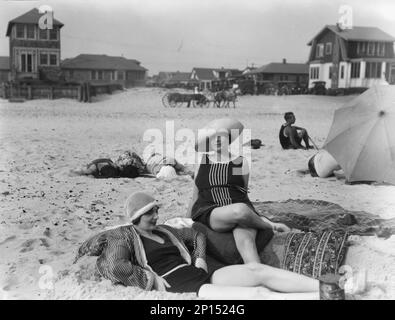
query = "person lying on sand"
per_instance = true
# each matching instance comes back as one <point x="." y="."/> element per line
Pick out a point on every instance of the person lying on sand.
<point x="291" y="136"/>
<point x="128" y="165"/>
<point x="220" y="200"/>
<point x="162" y="166"/>
<point x="157" y="257"/>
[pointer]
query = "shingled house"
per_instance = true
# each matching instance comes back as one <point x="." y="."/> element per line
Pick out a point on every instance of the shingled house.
<point x="211" y="78"/>
<point x="357" y="57"/>
<point x="279" y="73"/>
<point x="34" y="52"/>
<point x="100" y="68"/>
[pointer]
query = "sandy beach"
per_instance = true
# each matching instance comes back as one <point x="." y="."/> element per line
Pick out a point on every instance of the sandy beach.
<point x="46" y="214"/>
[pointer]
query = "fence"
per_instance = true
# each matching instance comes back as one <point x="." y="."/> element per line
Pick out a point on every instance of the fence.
<point x="81" y="92"/>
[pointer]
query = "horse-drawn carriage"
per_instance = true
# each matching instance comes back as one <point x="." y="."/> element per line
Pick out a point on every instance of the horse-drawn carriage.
<point x="220" y="99"/>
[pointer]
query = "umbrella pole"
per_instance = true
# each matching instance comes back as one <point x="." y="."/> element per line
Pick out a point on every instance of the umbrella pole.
<point x="315" y="146"/>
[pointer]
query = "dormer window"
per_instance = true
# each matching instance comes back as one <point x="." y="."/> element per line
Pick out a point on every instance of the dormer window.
<point x="43" y="34"/>
<point x="30" y="31"/>
<point x="20" y="31"/>
<point x="328" y="48"/>
<point x="53" y="34"/>
<point x="371" y="47"/>
<point x="320" y="50"/>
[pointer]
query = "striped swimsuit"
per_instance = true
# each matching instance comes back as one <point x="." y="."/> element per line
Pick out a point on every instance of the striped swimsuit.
<point x="219" y="184"/>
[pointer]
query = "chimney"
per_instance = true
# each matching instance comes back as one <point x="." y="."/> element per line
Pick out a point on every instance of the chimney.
<point x="284" y="60"/>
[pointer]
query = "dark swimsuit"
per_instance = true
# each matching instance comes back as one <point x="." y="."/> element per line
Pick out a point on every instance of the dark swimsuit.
<point x="219" y="184"/>
<point x="286" y="141"/>
<point x="162" y="258"/>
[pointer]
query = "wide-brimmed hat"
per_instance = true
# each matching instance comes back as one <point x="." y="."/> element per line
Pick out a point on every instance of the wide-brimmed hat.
<point x="228" y="126"/>
<point x="139" y="203"/>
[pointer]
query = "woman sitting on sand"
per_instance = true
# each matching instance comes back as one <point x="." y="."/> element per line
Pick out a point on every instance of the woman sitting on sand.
<point x="157" y="257"/>
<point x="220" y="200"/>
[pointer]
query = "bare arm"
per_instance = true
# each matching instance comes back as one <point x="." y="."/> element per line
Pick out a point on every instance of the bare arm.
<point x="195" y="193"/>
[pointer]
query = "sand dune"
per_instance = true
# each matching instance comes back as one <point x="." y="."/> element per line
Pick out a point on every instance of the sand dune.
<point x="46" y="214"/>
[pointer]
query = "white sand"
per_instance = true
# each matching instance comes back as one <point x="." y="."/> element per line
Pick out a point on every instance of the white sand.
<point x="42" y="140"/>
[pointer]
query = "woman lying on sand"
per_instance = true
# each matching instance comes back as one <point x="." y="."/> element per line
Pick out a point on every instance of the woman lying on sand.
<point x="155" y="256"/>
<point x="220" y="200"/>
<point x="130" y="165"/>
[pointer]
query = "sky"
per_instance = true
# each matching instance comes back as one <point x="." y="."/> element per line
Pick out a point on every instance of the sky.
<point x="178" y="35"/>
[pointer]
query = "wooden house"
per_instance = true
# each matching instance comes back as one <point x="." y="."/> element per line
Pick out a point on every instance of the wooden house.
<point x="213" y="78"/>
<point x="348" y="58"/>
<point x="281" y="73"/>
<point x="34" y="52"/>
<point x="100" y="68"/>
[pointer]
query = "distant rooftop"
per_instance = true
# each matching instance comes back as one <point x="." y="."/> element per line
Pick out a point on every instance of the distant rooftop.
<point x="359" y="34"/>
<point x="101" y="62"/>
<point x="278" y="67"/>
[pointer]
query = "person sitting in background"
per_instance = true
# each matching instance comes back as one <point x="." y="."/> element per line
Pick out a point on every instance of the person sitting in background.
<point x="291" y="136"/>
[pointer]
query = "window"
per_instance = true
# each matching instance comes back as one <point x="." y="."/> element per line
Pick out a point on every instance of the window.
<point x="373" y="70"/>
<point x="120" y="75"/>
<point x="342" y="72"/>
<point x="330" y="72"/>
<point x="100" y="75"/>
<point x="355" y="69"/>
<point x="43" y="34"/>
<point x="371" y="46"/>
<point x="93" y="75"/>
<point x="361" y="48"/>
<point x="328" y="48"/>
<point x="53" y="34"/>
<point x="26" y="62"/>
<point x="20" y="31"/>
<point x="53" y="61"/>
<point x="320" y="50"/>
<point x="30" y="31"/>
<point x="314" y="73"/>
<point x="43" y="59"/>
<point x="381" y="49"/>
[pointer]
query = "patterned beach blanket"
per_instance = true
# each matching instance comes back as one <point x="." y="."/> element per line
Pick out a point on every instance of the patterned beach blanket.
<point x="320" y="249"/>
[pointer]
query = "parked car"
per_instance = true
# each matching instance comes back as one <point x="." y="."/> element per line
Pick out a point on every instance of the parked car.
<point x="318" y="88"/>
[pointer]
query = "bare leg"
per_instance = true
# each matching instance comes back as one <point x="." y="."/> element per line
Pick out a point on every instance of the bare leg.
<point x="245" y="243"/>
<point x="305" y="136"/>
<point x="244" y="222"/>
<point x="254" y="274"/>
<point x="228" y="217"/>
<point x="219" y="292"/>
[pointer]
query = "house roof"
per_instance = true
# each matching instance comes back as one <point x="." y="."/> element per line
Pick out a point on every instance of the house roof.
<point x="208" y="73"/>
<point x="180" y="76"/>
<point x="32" y="16"/>
<point x="101" y="62"/>
<point x="358" y="34"/>
<point x="4" y="63"/>
<point x="205" y="73"/>
<point x="289" y="68"/>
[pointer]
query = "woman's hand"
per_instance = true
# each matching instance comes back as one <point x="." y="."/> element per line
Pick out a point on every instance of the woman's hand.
<point x="280" y="227"/>
<point x="201" y="263"/>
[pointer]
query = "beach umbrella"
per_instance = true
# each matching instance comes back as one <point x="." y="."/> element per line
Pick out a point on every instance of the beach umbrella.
<point x="362" y="136"/>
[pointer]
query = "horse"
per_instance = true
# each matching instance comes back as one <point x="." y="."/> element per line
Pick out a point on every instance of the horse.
<point x="227" y="96"/>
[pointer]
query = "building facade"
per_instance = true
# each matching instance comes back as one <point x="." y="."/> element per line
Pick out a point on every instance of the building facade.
<point x="34" y="52"/>
<point x="357" y="57"/>
<point x="100" y="68"/>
